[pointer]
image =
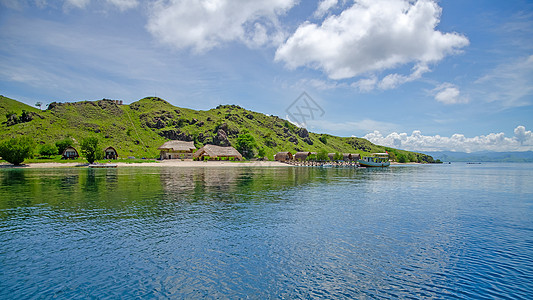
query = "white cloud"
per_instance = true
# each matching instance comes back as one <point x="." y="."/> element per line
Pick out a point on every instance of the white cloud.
<point x="205" y="24"/>
<point x="372" y="36"/>
<point x="509" y="84"/>
<point x="124" y="4"/>
<point x="324" y="6"/>
<point x="77" y="3"/>
<point x="521" y="141"/>
<point x="67" y="4"/>
<point x="448" y="93"/>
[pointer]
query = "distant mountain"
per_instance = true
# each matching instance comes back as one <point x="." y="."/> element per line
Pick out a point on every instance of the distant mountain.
<point x="483" y="156"/>
<point x="139" y="128"/>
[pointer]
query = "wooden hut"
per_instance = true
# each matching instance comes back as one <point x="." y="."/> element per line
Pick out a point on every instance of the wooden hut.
<point x="177" y="150"/>
<point x="110" y="153"/>
<point x="355" y="156"/>
<point x="301" y="156"/>
<point x="213" y="152"/>
<point x="70" y="153"/>
<point x="283" y="156"/>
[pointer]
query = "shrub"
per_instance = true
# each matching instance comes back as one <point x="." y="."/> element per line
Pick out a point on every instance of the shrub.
<point x="322" y="155"/>
<point x="401" y="158"/>
<point x="48" y="150"/>
<point x="323" y="139"/>
<point x="261" y="153"/>
<point x="91" y="150"/>
<point x="245" y="145"/>
<point x="16" y="150"/>
<point x="63" y="144"/>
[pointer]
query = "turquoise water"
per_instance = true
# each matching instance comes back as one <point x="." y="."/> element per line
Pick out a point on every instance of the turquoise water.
<point x="435" y="231"/>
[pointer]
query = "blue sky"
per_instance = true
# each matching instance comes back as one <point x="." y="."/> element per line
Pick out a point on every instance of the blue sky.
<point x="419" y="75"/>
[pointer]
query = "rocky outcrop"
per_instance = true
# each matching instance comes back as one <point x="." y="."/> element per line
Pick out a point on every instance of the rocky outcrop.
<point x="303" y="133"/>
<point x="221" y="139"/>
<point x="175" y="134"/>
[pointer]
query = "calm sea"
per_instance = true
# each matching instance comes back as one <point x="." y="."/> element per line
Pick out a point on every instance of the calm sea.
<point x="435" y="231"/>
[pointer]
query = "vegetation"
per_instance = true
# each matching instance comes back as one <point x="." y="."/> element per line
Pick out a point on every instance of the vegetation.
<point x="322" y="155"/>
<point x="245" y="145"/>
<point x="48" y="150"/>
<point x="138" y="129"/>
<point x="16" y="150"/>
<point x="91" y="150"/>
<point x="64" y="144"/>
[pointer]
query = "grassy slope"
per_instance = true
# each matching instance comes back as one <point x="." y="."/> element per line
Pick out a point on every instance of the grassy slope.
<point x="139" y="128"/>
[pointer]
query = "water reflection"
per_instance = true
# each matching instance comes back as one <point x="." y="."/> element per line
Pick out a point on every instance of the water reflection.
<point x="408" y="232"/>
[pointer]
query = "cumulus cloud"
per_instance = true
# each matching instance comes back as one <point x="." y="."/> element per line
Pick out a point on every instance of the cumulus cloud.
<point x="448" y="93"/>
<point x="372" y="36"/>
<point x="324" y="6"/>
<point x="521" y="141"/>
<point x="205" y="24"/>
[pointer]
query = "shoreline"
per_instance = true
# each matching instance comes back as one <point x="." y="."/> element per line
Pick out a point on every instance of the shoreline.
<point x="164" y="163"/>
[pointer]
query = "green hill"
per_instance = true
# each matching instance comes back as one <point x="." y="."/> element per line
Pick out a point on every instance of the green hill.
<point x="140" y="128"/>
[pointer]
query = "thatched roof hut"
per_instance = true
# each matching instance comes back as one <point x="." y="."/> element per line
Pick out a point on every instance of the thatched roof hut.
<point x="70" y="153"/>
<point x="110" y="153"/>
<point x="355" y="156"/>
<point x="301" y="156"/>
<point x="331" y="156"/>
<point x="177" y="149"/>
<point x="346" y="156"/>
<point x="178" y="146"/>
<point x="217" y="152"/>
<point x="283" y="156"/>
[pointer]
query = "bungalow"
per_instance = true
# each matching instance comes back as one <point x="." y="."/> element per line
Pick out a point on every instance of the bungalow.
<point x="212" y="152"/>
<point x="177" y="150"/>
<point x="301" y="156"/>
<point x="283" y="156"/>
<point x="355" y="156"/>
<point x="110" y="153"/>
<point x="70" y="153"/>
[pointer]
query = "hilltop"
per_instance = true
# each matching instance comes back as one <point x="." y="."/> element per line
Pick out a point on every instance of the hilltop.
<point x="139" y="128"/>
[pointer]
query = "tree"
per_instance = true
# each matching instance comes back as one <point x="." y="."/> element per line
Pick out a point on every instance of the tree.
<point x="48" y="150"/>
<point x="323" y="139"/>
<point x="91" y="150"/>
<point x="245" y="145"/>
<point x="322" y="155"/>
<point x="338" y="156"/>
<point x="401" y="158"/>
<point x="261" y="153"/>
<point x="16" y="150"/>
<point x="64" y="144"/>
<point x="39" y="104"/>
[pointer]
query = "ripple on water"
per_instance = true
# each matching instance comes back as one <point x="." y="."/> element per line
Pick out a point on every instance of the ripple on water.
<point x="410" y="232"/>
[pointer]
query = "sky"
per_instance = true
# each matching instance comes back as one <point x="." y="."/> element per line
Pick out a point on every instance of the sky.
<point x="416" y="75"/>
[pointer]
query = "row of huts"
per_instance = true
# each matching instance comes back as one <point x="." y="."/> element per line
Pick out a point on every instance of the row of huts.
<point x="186" y="150"/>
<point x="72" y="153"/>
<point x="302" y="156"/>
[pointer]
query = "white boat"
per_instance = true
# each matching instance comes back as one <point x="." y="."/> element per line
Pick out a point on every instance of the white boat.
<point x="375" y="160"/>
<point x="102" y="166"/>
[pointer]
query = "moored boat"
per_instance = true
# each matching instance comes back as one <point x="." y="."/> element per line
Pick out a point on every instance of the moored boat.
<point x="375" y="160"/>
<point x="97" y="165"/>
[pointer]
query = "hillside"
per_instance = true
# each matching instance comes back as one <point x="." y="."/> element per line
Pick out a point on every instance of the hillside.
<point x="140" y="128"/>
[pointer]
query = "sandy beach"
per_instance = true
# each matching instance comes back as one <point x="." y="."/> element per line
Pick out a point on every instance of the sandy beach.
<point x="164" y="163"/>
